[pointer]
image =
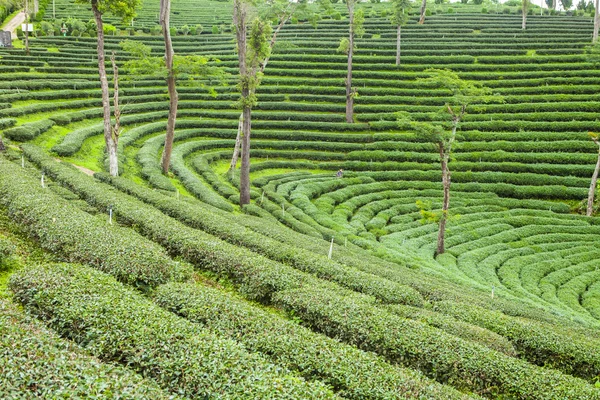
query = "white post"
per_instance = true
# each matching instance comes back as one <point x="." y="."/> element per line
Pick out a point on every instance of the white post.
<point x="43" y="185"/>
<point x="110" y="216"/>
<point x="330" y="249"/>
<point x="22" y="161"/>
<point x="53" y="10"/>
<point x="493" y="291"/>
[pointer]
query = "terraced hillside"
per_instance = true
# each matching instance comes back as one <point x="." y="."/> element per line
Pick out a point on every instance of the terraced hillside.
<point x="190" y="295"/>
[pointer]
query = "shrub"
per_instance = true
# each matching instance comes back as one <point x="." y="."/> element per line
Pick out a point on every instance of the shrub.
<point x="295" y="347"/>
<point x="117" y="324"/>
<point x="79" y="237"/>
<point x="439" y="355"/>
<point x="28" y="131"/>
<point x="35" y="361"/>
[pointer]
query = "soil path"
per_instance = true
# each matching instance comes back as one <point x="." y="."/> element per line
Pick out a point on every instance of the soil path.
<point x="14" y="23"/>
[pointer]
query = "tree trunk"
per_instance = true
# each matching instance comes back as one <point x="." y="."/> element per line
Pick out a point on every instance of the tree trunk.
<point x="111" y="146"/>
<point x="238" y="141"/>
<point x="423" y="9"/>
<point x="554" y="4"/>
<point x="116" y="129"/>
<point x="165" y="16"/>
<point x="27" y="27"/>
<point x="524" y="11"/>
<point x="349" y="91"/>
<point x="444" y="156"/>
<point x="398" y="37"/>
<point x="592" y="192"/>
<point x="245" y="167"/>
<point x="240" y="21"/>
<point x="596" y="22"/>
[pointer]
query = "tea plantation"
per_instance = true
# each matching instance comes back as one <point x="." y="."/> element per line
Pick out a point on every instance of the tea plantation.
<point x="162" y="286"/>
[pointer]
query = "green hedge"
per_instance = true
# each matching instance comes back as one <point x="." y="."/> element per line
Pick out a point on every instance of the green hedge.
<point x="76" y="236"/>
<point x="541" y="344"/>
<point x="298" y="348"/>
<point x="439" y="355"/>
<point x="225" y="228"/>
<point x="25" y="132"/>
<point x="36" y="363"/>
<point x="117" y="324"/>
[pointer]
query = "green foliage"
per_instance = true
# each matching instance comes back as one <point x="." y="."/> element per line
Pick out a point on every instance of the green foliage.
<point x="28" y="131"/>
<point x="443" y="356"/>
<point x="32" y="353"/>
<point x="400" y="9"/>
<point x="191" y="70"/>
<point x="123" y="9"/>
<point x="118" y="324"/>
<point x="296" y="347"/>
<point x="76" y="236"/>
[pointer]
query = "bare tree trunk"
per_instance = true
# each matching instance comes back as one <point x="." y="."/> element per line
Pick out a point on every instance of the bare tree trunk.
<point x="592" y="192"/>
<point x="596" y="22"/>
<point x="445" y="150"/>
<point x="165" y="14"/>
<point x="349" y="91"/>
<point x="554" y="4"/>
<point x="398" y="37"/>
<point x="240" y="15"/>
<point x="245" y="167"/>
<point x="236" y="149"/>
<point x="111" y="146"/>
<point x="27" y="27"/>
<point x="116" y="130"/>
<point x="423" y="9"/>
<point x="238" y="141"/>
<point x="524" y="11"/>
<point x="444" y="157"/>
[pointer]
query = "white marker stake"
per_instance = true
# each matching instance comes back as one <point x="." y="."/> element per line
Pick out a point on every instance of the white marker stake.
<point x="22" y="161"/>
<point x="330" y="249"/>
<point x="493" y="291"/>
<point x="110" y="216"/>
<point x="43" y="180"/>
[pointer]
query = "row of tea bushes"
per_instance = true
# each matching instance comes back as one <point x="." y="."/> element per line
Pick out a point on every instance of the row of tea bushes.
<point x="76" y="236"/>
<point x="117" y="324"/>
<point x="298" y="348"/>
<point x="36" y="363"/>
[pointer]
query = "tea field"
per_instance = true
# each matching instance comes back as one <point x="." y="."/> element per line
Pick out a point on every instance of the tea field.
<point x="162" y="286"/>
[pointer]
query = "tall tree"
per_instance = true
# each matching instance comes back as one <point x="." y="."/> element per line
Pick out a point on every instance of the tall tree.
<point x="165" y="17"/>
<point x="596" y="21"/>
<point x="356" y="19"/>
<point x="442" y="131"/>
<point x="280" y="11"/>
<point x="592" y="192"/>
<point x="252" y="50"/>
<point x="423" y="9"/>
<point x="175" y="69"/>
<point x="524" y="10"/>
<point x="125" y="9"/>
<point x="399" y="18"/>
